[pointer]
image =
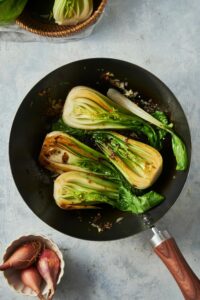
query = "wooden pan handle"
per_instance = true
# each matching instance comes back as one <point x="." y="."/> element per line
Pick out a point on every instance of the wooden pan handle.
<point x="166" y="248"/>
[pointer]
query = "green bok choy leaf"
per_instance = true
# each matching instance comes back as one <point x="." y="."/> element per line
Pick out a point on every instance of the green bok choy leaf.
<point x="81" y="134"/>
<point x="10" y="10"/>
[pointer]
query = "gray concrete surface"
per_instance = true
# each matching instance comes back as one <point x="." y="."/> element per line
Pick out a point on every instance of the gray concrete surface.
<point x="162" y="36"/>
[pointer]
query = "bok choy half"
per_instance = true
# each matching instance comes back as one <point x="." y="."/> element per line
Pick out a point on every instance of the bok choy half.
<point x="139" y="163"/>
<point x="178" y="147"/>
<point x="88" y="109"/>
<point x="80" y="190"/>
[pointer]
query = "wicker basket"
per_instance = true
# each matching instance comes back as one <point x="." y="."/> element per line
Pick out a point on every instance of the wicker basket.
<point x="28" y="22"/>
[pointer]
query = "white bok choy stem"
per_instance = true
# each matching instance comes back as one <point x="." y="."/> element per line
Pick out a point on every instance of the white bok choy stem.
<point x="123" y="101"/>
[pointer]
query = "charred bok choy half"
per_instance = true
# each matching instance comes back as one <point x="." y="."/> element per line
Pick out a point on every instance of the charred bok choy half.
<point x="88" y="109"/>
<point x="62" y="153"/>
<point x="88" y="179"/>
<point x="72" y="12"/>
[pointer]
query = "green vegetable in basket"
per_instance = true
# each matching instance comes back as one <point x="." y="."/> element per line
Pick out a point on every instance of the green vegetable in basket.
<point x="72" y="12"/>
<point x="10" y="10"/>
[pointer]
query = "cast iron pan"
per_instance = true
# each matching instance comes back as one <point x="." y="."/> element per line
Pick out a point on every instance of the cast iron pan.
<point x="33" y="121"/>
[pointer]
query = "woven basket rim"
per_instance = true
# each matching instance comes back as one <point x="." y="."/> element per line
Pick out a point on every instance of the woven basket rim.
<point x="60" y="31"/>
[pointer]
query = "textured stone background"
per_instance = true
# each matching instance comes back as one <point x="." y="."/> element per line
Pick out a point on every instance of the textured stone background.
<point x="162" y="36"/>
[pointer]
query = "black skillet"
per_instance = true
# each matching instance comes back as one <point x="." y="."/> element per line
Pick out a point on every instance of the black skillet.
<point x="33" y="121"/>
